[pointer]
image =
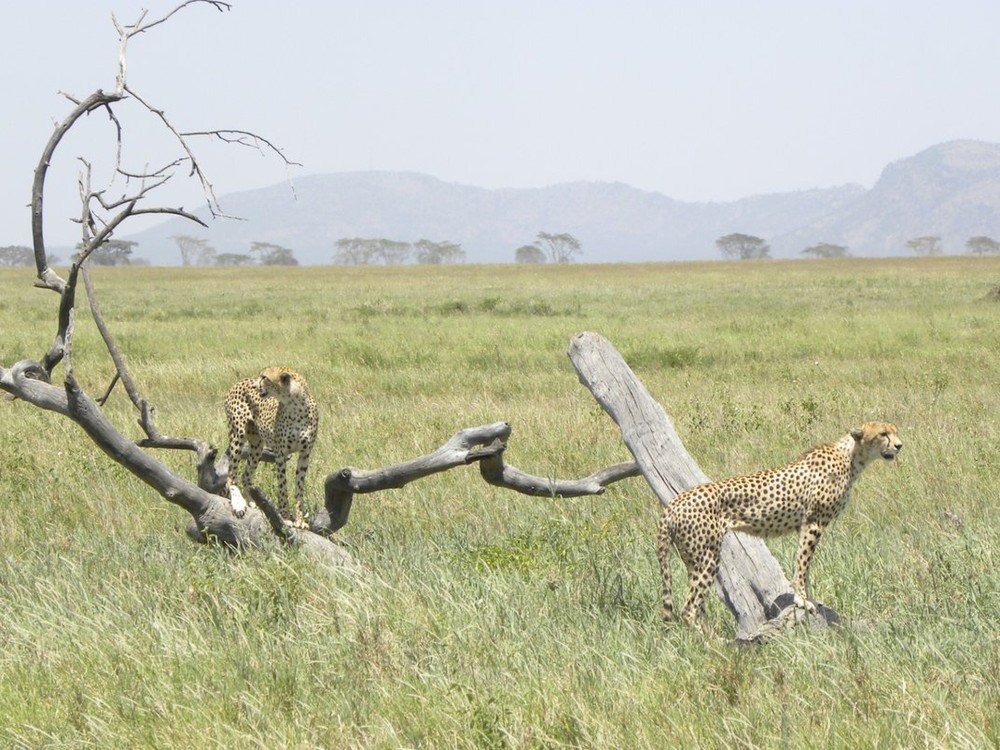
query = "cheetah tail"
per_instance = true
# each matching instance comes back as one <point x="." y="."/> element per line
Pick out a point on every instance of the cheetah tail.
<point x="664" y="543"/>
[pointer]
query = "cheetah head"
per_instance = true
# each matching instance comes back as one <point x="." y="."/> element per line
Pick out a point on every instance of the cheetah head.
<point x="878" y="438"/>
<point x="277" y="382"/>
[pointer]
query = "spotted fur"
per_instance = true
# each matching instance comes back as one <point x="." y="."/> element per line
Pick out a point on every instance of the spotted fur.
<point x="273" y="410"/>
<point x="804" y="496"/>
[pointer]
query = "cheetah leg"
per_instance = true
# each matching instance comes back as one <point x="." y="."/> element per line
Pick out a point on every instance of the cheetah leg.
<point x="702" y="576"/>
<point x="233" y="453"/>
<point x="281" y="469"/>
<point x="300" y="486"/>
<point x="254" y="453"/>
<point x="664" y="544"/>
<point x="808" y="539"/>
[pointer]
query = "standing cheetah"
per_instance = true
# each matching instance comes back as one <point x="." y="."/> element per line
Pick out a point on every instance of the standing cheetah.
<point x="804" y="496"/>
<point x="273" y="410"/>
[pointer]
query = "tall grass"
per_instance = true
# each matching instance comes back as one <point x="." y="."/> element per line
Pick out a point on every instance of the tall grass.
<point x="489" y="619"/>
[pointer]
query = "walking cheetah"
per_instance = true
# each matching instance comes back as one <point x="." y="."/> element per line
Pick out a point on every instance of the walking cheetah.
<point x="273" y="410"/>
<point x="804" y="496"/>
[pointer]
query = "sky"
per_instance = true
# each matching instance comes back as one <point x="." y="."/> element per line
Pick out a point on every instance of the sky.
<point x="708" y="101"/>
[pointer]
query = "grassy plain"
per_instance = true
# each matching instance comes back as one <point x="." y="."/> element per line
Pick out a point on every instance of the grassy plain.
<point x="488" y="619"/>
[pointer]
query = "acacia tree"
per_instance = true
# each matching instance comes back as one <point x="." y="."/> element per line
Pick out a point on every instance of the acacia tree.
<point x="195" y="251"/>
<point x="391" y="252"/>
<point x="435" y="253"/>
<point x="982" y="245"/>
<point x="269" y="254"/>
<point x="529" y="254"/>
<point x="112" y="253"/>
<point x="353" y="251"/>
<point x="359" y="251"/>
<point x="826" y="250"/>
<point x="560" y="248"/>
<point x="16" y="255"/>
<point x="233" y="259"/>
<point x="927" y="245"/>
<point x="743" y="246"/>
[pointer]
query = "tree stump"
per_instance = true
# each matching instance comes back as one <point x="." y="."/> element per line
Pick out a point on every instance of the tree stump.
<point x="750" y="582"/>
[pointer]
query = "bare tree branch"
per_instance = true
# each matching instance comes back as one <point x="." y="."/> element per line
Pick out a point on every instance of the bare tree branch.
<point x="153" y="437"/>
<point x="125" y="33"/>
<point x="282" y="530"/>
<point x="121" y="371"/>
<point x="139" y="27"/>
<point x="244" y="138"/>
<point x="48" y="278"/>
<point x="485" y="444"/>
<point x="25" y="381"/>
<point x="497" y="473"/>
<point x="111" y="387"/>
<point x="67" y="300"/>
<point x="196" y="170"/>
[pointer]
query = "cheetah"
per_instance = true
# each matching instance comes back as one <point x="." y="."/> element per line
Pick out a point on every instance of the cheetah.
<point x="275" y="410"/>
<point x="804" y="496"/>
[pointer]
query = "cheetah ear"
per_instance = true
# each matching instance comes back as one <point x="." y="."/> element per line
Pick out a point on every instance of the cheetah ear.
<point x="857" y="434"/>
<point x="285" y="378"/>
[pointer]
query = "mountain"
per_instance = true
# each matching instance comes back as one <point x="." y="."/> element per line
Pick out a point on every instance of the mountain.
<point x="952" y="190"/>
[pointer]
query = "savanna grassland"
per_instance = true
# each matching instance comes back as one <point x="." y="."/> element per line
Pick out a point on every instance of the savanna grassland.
<point x="486" y="618"/>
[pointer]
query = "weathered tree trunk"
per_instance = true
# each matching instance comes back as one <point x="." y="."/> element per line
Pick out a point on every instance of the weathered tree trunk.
<point x="750" y="581"/>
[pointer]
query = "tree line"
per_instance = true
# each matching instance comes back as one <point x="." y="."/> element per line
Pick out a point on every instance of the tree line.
<point x="363" y="251"/>
<point x="748" y="247"/>
<point x="357" y="251"/>
<point x="547" y="248"/>
<point x="196" y="251"/>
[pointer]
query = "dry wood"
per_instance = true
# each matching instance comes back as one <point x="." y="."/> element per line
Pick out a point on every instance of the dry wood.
<point x="486" y="445"/>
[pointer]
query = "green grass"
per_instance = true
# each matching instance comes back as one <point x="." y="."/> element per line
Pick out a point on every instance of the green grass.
<point x="489" y="619"/>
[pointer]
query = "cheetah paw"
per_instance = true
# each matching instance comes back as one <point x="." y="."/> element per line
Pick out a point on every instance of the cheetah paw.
<point x="803" y="603"/>
<point x="237" y="502"/>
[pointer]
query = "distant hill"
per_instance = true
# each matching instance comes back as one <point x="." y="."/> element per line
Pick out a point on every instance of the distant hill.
<point x="952" y="190"/>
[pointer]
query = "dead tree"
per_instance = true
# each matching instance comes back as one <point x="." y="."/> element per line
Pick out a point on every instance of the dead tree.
<point x="750" y="581"/>
<point x="36" y="382"/>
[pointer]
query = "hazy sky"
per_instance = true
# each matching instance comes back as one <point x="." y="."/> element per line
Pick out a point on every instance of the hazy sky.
<point x="712" y="100"/>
